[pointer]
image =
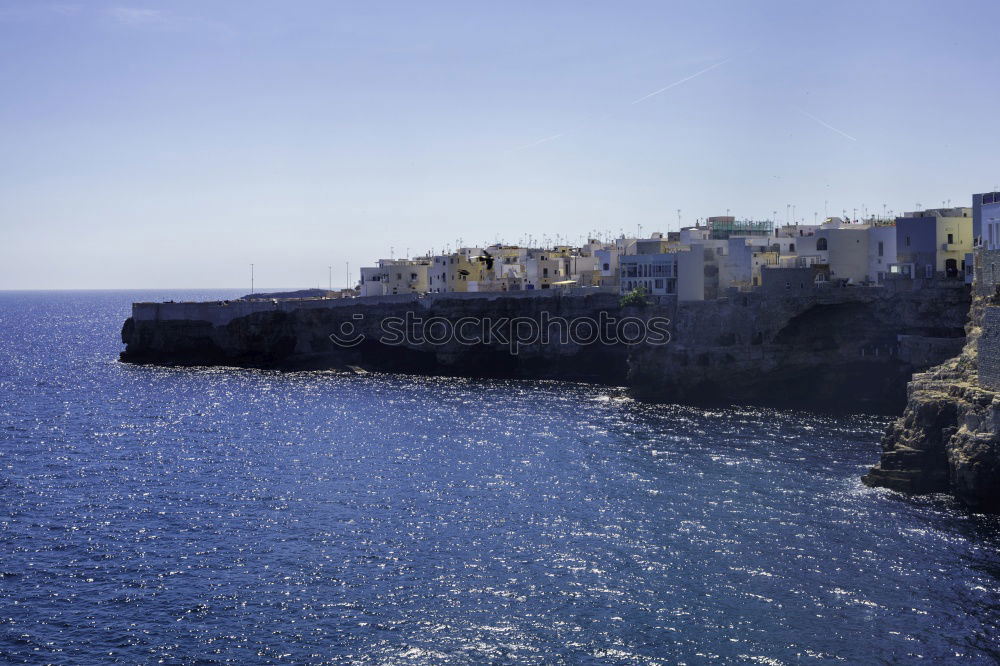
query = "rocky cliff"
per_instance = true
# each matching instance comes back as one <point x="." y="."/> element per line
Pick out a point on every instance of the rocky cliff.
<point x="841" y="350"/>
<point x="948" y="439"/>
<point x="846" y="349"/>
<point x="393" y="334"/>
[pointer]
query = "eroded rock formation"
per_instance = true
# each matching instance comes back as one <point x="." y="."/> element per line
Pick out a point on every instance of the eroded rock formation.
<point x="947" y="439"/>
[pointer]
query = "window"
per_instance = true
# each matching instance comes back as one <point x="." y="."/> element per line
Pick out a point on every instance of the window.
<point x="545" y="272"/>
<point x="881" y="249"/>
<point x="607" y="267"/>
<point x="907" y="241"/>
<point x="820" y="244"/>
<point x="951" y="239"/>
<point x="791" y="247"/>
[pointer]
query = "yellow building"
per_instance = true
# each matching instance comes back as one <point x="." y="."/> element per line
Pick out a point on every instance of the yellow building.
<point x="544" y="269"/>
<point x="933" y="241"/>
<point x="405" y="276"/>
<point x="466" y="271"/>
<point x="759" y="260"/>
<point x="954" y="237"/>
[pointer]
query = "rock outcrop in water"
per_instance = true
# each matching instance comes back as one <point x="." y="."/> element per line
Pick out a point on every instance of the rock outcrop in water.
<point x="948" y="439"/>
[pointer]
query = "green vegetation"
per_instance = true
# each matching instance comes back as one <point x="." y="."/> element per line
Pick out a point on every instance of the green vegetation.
<point x="636" y="297"/>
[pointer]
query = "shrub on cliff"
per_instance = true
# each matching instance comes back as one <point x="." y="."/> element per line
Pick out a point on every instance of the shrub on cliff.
<point x="636" y="297"/>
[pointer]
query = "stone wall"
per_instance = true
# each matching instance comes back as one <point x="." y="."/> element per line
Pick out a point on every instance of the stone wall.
<point x="988" y="360"/>
<point x="220" y="313"/>
<point x="985" y="320"/>
<point x="987" y="271"/>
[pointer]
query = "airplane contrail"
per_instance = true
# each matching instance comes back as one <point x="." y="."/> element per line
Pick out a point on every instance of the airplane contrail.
<point x="825" y="124"/>
<point x="536" y="143"/>
<point x="684" y="80"/>
<point x="644" y="97"/>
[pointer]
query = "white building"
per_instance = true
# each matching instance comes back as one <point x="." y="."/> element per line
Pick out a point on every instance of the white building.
<point x="656" y="273"/>
<point x="991" y="225"/>
<point x="845" y="248"/>
<point x="691" y="272"/>
<point x="881" y="251"/>
<point x="371" y="282"/>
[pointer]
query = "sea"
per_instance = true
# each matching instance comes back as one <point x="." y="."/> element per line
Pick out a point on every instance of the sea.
<point x="231" y="516"/>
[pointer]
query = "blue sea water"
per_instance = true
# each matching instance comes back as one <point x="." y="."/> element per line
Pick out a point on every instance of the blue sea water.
<point x="224" y="516"/>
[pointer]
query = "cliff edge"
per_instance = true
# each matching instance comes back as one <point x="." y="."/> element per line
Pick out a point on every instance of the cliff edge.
<point x="948" y="439"/>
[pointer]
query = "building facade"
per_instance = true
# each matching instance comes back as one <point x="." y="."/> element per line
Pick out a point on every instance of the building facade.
<point x="656" y="273"/>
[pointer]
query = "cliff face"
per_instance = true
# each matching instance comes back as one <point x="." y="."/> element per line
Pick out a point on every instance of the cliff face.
<point x="948" y="439"/>
<point x="845" y="350"/>
<point x="833" y="349"/>
<point x="302" y="335"/>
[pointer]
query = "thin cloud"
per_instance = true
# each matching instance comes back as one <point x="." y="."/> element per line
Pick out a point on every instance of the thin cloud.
<point x="684" y="80"/>
<point x="138" y="16"/>
<point x="825" y="124"/>
<point x="146" y="18"/>
<point x="536" y="143"/>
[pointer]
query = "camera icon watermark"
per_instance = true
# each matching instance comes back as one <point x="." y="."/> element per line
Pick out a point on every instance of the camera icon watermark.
<point x="514" y="333"/>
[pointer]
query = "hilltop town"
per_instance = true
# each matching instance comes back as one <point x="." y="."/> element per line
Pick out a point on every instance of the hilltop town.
<point x="705" y="261"/>
<point x="837" y="315"/>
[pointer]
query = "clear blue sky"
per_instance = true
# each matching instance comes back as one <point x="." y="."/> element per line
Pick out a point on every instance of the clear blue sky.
<point x="171" y="144"/>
